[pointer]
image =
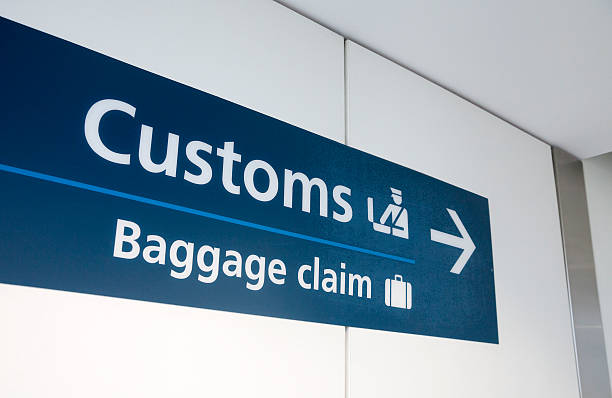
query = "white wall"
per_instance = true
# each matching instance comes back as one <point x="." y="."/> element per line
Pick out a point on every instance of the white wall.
<point x="260" y="55"/>
<point x="598" y="183"/>
<point x="397" y="115"/>
<point x="255" y="53"/>
<point x="578" y="247"/>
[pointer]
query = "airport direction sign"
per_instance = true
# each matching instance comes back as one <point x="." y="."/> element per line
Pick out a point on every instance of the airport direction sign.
<point x="122" y="183"/>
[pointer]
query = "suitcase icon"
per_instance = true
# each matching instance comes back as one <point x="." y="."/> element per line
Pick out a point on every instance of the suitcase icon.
<point x="398" y="293"/>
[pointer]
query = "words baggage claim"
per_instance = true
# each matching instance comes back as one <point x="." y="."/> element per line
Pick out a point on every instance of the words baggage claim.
<point x="128" y="243"/>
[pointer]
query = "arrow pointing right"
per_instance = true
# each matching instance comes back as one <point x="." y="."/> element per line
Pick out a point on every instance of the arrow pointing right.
<point x="463" y="242"/>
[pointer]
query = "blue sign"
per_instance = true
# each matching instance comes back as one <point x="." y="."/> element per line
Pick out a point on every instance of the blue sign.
<point x="119" y="182"/>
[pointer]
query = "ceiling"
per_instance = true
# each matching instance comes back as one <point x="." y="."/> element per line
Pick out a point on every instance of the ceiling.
<point x="544" y="66"/>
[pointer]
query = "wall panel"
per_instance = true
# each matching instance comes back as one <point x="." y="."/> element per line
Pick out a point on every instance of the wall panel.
<point x="597" y="178"/>
<point x="401" y="117"/>
<point x="257" y="54"/>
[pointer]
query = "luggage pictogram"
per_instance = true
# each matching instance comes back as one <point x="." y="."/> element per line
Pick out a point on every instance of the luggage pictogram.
<point x="398" y="293"/>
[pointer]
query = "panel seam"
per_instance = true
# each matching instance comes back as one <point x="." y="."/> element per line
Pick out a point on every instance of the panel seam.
<point x="347" y="383"/>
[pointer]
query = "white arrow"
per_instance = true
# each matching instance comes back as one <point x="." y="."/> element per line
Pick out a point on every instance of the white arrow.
<point x="464" y="242"/>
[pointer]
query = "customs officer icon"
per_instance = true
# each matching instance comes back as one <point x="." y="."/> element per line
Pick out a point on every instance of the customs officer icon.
<point x="394" y="220"/>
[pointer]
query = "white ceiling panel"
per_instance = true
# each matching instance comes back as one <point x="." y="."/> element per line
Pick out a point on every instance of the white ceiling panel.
<point x="545" y="66"/>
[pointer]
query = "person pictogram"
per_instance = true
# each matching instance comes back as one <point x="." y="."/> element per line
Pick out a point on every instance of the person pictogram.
<point x="394" y="214"/>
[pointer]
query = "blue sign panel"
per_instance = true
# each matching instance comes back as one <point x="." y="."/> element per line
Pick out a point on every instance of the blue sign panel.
<point x="118" y="182"/>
